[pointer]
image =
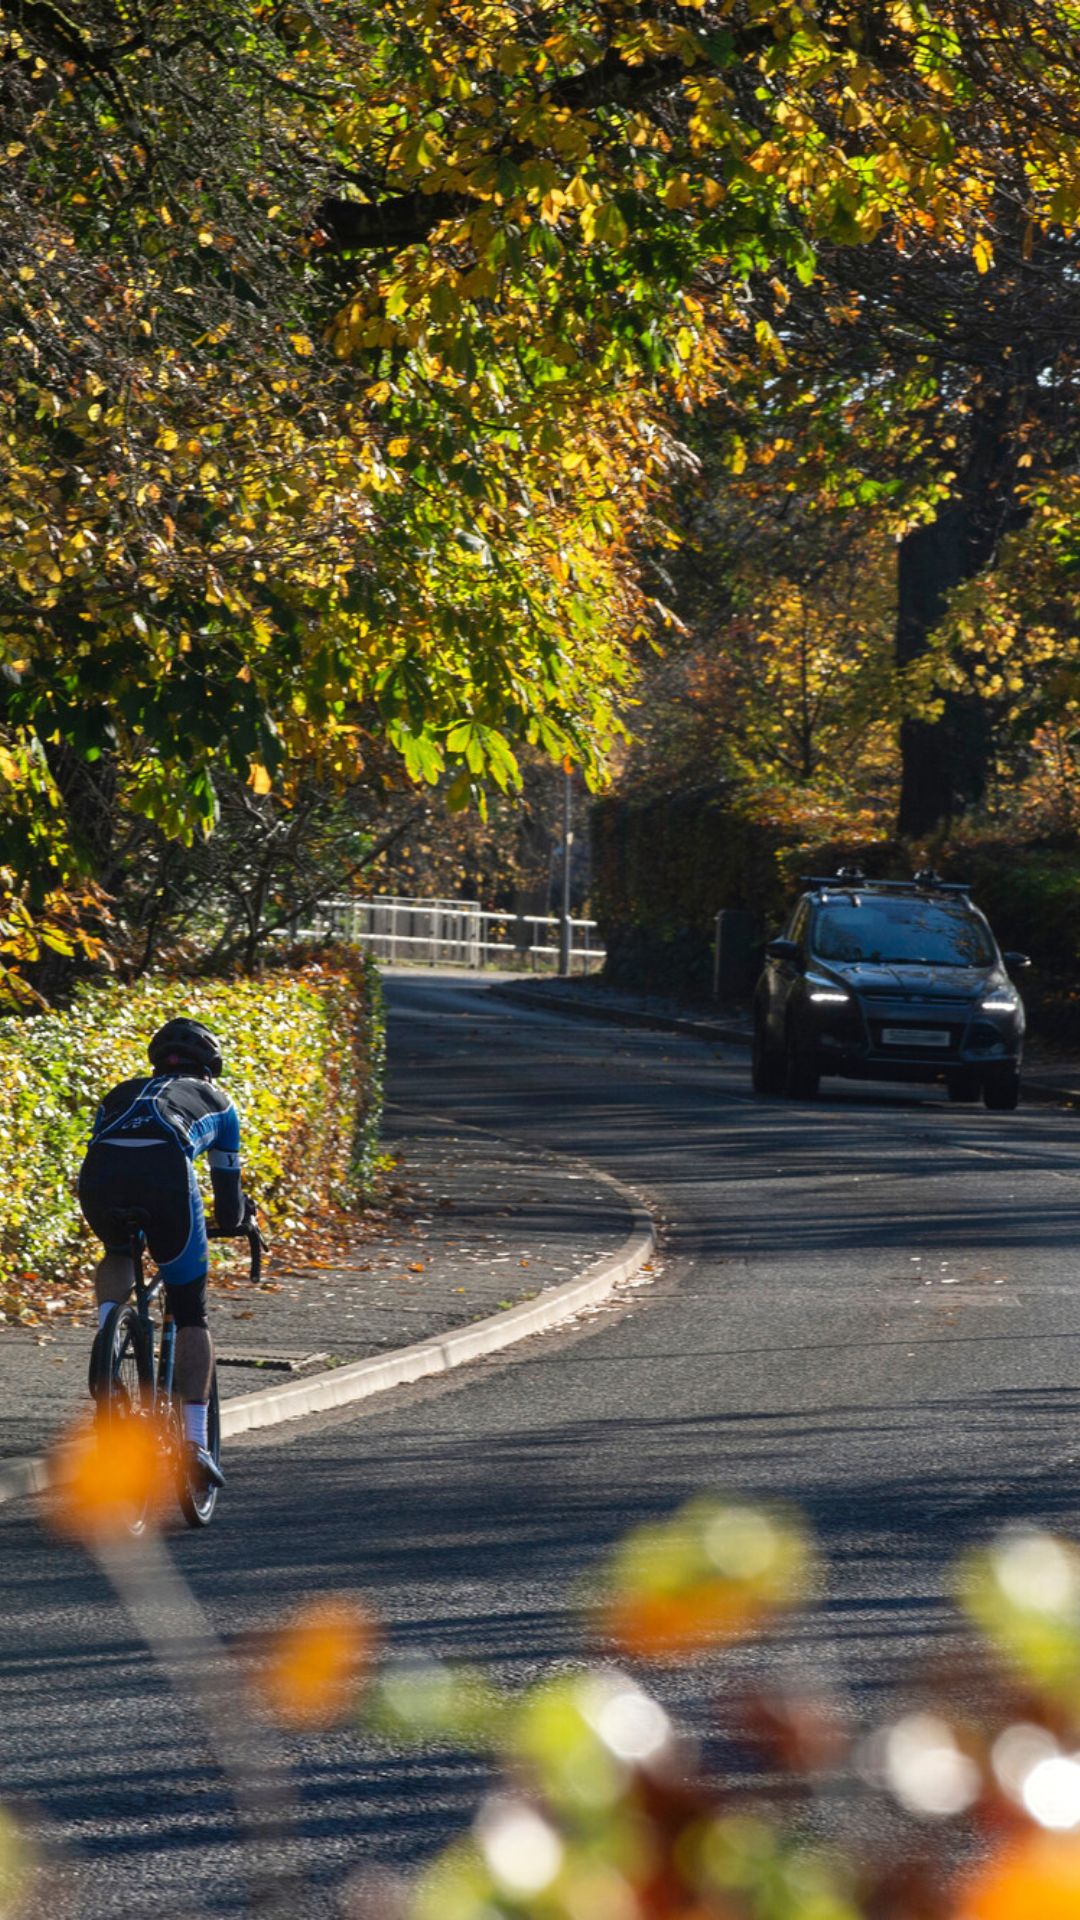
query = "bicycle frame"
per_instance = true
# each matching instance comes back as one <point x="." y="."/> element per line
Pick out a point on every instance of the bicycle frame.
<point x="163" y="1355"/>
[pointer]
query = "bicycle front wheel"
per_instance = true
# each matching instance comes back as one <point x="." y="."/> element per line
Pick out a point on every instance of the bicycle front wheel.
<point x="122" y="1378"/>
<point x="197" y="1503"/>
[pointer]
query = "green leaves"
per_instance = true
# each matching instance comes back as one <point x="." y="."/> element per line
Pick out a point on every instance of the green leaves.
<point x="1023" y="1593"/>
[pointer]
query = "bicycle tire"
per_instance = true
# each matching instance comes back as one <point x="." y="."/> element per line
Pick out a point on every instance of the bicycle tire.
<point x="123" y="1378"/>
<point x="197" y="1504"/>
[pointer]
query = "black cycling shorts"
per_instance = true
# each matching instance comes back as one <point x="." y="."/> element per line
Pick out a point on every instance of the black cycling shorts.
<point x="159" y="1182"/>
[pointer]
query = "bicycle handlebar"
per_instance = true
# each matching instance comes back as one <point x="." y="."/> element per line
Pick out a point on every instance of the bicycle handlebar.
<point x="250" y="1231"/>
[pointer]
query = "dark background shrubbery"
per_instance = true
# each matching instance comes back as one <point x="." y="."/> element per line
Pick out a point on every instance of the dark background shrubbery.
<point x="664" y="865"/>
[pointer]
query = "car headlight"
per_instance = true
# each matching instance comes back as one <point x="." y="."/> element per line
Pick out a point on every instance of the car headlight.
<point x="1000" y="1000"/>
<point x="826" y="993"/>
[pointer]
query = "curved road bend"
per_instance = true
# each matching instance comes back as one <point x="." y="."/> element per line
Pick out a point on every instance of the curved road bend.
<point x="868" y="1305"/>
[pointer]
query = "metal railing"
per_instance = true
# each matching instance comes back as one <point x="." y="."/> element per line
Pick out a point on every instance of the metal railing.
<point x="458" y="933"/>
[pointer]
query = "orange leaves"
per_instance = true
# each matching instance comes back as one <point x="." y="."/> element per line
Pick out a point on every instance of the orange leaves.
<point x="1036" y="1878"/>
<point x="108" y="1475"/>
<point x="715" y="1572"/>
<point x="315" y="1662"/>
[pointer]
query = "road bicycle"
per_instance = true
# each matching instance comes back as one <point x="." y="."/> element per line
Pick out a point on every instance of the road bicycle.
<point x="133" y="1364"/>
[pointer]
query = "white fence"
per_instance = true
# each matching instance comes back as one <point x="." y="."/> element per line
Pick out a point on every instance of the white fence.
<point x="456" y="933"/>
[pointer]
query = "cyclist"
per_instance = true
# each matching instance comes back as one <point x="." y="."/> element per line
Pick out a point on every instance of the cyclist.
<point x="141" y="1156"/>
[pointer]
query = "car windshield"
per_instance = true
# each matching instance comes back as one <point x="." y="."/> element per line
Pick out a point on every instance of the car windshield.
<point x="901" y="931"/>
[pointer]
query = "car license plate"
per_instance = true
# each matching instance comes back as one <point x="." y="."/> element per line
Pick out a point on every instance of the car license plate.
<point x="915" y="1036"/>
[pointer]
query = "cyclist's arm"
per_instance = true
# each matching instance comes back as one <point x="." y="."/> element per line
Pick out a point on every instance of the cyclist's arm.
<point x="224" y="1158"/>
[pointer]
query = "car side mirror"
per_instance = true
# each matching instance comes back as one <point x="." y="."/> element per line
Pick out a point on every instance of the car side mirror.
<point x="1015" y="961"/>
<point x="783" y="950"/>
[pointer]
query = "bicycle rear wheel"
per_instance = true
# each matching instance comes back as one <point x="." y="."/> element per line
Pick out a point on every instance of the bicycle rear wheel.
<point x="122" y="1380"/>
<point x="197" y="1503"/>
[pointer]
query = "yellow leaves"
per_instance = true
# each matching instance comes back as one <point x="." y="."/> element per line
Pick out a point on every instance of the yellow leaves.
<point x="678" y="192"/>
<point x="417" y="150"/>
<point x="511" y="58"/>
<point x="604" y="224"/>
<point x="168" y="439"/>
<point x="768" y="341"/>
<point x="259" y="780"/>
<point x="205" y="239"/>
<point x="766" y="158"/>
<point x="983" y="253"/>
<point x="854" y="113"/>
<point x="301" y="345"/>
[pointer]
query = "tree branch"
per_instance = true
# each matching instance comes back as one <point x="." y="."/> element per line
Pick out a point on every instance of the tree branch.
<point x="401" y="220"/>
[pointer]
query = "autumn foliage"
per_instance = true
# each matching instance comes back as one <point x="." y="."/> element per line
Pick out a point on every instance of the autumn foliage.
<point x="350" y="354"/>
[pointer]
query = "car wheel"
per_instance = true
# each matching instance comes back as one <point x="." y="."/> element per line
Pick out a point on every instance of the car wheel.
<point x="1001" y="1091"/>
<point x="802" y="1075"/>
<point x="963" y="1086"/>
<point x="766" y="1070"/>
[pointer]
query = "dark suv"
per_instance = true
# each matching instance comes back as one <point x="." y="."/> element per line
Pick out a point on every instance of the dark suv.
<point x="888" y="980"/>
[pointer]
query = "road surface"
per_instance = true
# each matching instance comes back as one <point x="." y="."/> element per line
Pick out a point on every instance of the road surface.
<point x="868" y="1305"/>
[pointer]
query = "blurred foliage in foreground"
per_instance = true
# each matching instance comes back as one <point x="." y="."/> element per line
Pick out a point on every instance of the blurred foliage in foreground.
<point x="601" y="1809"/>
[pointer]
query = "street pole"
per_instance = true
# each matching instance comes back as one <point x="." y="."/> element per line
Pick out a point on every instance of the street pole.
<point x="566" y="931"/>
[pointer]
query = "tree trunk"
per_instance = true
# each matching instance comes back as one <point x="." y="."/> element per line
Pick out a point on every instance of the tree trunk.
<point x="945" y="762"/>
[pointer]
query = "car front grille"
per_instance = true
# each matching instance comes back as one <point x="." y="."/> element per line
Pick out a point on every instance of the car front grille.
<point x="896" y="1008"/>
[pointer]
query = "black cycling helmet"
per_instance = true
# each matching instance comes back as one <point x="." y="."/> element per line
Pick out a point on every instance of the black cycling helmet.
<point x="181" y="1044"/>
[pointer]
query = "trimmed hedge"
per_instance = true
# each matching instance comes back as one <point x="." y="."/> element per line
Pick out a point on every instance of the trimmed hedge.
<point x="304" y="1053"/>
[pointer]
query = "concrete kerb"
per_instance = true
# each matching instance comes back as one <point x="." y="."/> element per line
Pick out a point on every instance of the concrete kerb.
<point x="1039" y="1092"/>
<point x="319" y="1393"/>
<point x="20" y="1477"/>
<point x="361" y="1379"/>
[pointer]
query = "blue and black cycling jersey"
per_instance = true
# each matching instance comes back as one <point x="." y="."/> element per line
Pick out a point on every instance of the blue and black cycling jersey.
<point x="146" y="1138"/>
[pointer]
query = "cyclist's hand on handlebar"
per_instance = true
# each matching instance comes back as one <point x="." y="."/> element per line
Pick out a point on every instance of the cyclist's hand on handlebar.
<point x="250" y="1224"/>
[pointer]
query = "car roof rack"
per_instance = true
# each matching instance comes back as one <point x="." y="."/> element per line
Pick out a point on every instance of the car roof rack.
<point x="853" y="880"/>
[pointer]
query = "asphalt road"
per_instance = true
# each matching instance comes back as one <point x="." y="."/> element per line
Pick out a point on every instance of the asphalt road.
<point x="868" y="1305"/>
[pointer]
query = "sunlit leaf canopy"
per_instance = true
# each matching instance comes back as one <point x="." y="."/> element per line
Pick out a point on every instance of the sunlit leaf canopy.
<point x="341" y="342"/>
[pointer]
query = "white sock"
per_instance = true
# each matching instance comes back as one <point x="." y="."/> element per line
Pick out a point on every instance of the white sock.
<point x="195" y="1412"/>
<point x="105" y="1307"/>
